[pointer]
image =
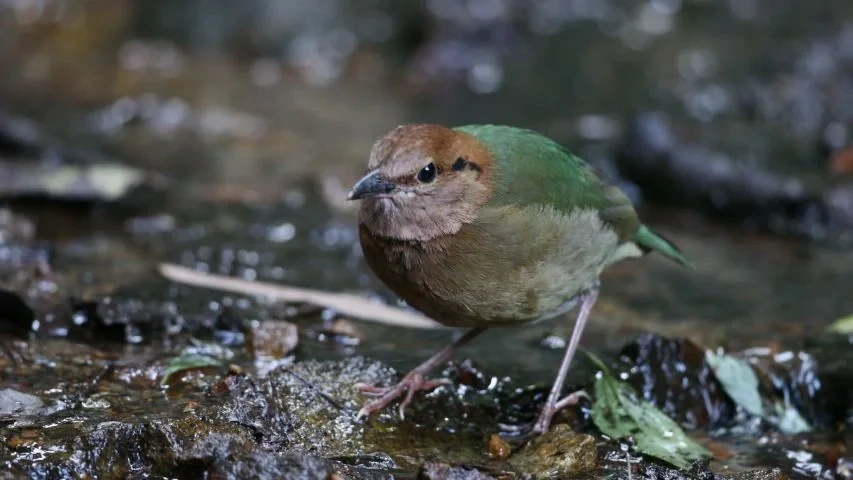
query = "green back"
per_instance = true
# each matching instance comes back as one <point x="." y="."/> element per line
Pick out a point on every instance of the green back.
<point x="531" y="169"/>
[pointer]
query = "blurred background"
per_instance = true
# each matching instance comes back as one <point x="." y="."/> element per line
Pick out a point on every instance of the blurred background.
<point x="224" y="135"/>
<point x="727" y="122"/>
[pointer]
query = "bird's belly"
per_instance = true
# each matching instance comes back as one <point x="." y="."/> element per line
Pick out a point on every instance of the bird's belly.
<point x="497" y="273"/>
<point x="464" y="300"/>
<point x="476" y="295"/>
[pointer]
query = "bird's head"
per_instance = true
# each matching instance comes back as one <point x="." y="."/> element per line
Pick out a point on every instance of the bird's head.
<point x="423" y="181"/>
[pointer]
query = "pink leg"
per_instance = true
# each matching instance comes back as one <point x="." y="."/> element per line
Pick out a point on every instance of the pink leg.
<point x="414" y="380"/>
<point x="570" y="400"/>
<point x="552" y="405"/>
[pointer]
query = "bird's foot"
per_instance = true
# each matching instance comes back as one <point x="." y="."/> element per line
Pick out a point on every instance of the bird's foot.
<point x="411" y="383"/>
<point x="540" y="426"/>
<point x="544" y="421"/>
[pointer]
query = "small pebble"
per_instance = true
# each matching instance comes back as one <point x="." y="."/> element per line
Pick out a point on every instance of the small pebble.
<point x="346" y="328"/>
<point x="498" y="447"/>
<point x="273" y="339"/>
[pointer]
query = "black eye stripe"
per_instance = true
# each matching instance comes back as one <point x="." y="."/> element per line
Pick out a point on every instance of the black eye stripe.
<point x="459" y="164"/>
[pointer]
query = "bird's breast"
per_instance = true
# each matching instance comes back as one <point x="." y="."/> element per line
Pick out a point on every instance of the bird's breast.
<point x="510" y="266"/>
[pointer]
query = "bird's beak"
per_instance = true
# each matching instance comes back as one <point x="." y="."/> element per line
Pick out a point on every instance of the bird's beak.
<point x="370" y="185"/>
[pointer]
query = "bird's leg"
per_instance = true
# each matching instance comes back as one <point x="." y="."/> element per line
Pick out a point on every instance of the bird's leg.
<point x="570" y="399"/>
<point x="554" y="404"/>
<point x="414" y="380"/>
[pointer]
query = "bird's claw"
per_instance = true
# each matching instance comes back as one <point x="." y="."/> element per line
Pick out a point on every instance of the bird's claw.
<point x="571" y="399"/>
<point x="544" y="421"/>
<point x="529" y="430"/>
<point x="414" y="381"/>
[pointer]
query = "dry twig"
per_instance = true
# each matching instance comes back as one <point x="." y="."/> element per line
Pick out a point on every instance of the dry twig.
<point x="344" y="303"/>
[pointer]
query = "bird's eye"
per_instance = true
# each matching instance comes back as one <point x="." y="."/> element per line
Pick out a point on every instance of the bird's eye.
<point x="427" y="174"/>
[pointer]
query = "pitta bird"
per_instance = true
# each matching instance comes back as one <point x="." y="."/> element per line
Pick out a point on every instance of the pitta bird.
<point x="484" y="226"/>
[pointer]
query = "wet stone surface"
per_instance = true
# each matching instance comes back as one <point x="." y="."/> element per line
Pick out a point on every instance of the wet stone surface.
<point x="298" y="418"/>
<point x="673" y="374"/>
<point x="559" y="453"/>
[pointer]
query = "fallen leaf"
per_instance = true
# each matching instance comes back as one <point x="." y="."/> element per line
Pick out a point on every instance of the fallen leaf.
<point x="788" y="419"/>
<point x="739" y="381"/>
<point x="187" y="362"/>
<point x="741" y="384"/>
<point x="346" y="304"/>
<point x="618" y="412"/>
<point x="102" y="181"/>
<point x="843" y="325"/>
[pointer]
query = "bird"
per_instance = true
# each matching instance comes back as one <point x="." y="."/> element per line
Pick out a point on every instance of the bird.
<point x="482" y="226"/>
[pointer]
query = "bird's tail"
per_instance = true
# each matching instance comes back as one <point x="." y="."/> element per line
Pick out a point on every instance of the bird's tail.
<point x="649" y="240"/>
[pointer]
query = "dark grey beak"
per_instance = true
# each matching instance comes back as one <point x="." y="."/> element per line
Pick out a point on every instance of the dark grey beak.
<point x="370" y="185"/>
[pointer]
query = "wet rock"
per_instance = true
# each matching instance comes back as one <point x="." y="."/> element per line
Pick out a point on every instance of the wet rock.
<point x="13" y="402"/>
<point x="557" y="454"/>
<point x="374" y="461"/>
<point x="816" y="381"/>
<point x="228" y="327"/>
<point x="673" y="374"/>
<point x="669" y="170"/>
<point x="701" y="472"/>
<point x="53" y="170"/>
<point x="120" y="320"/>
<point x="16" y="317"/>
<point x="262" y="464"/>
<point x="273" y="339"/>
<point x="307" y="408"/>
<point x="21" y="136"/>
<point x="88" y="323"/>
<point x="773" y="474"/>
<point x="310" y="407"/>
<point x="23" y="438"/>
<point x="187" y="446"/>
<point x="441" y="471"/>
<point x="808" y="456"/>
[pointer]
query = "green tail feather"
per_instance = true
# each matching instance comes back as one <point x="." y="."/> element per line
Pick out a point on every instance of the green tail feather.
<point x="649" y="240"/>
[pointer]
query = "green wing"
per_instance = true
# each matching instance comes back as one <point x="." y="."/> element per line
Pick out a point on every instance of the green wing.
<point x="535" y="170"/>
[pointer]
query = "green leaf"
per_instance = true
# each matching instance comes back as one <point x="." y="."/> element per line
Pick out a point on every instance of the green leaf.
<point x="788" y="419"/>
<point x="738" y="380"/>
<point x="187" y="362"/>
<point x="741" y="384"/>
<point x="843" y="325"/>
<point x="618" y="412"/>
